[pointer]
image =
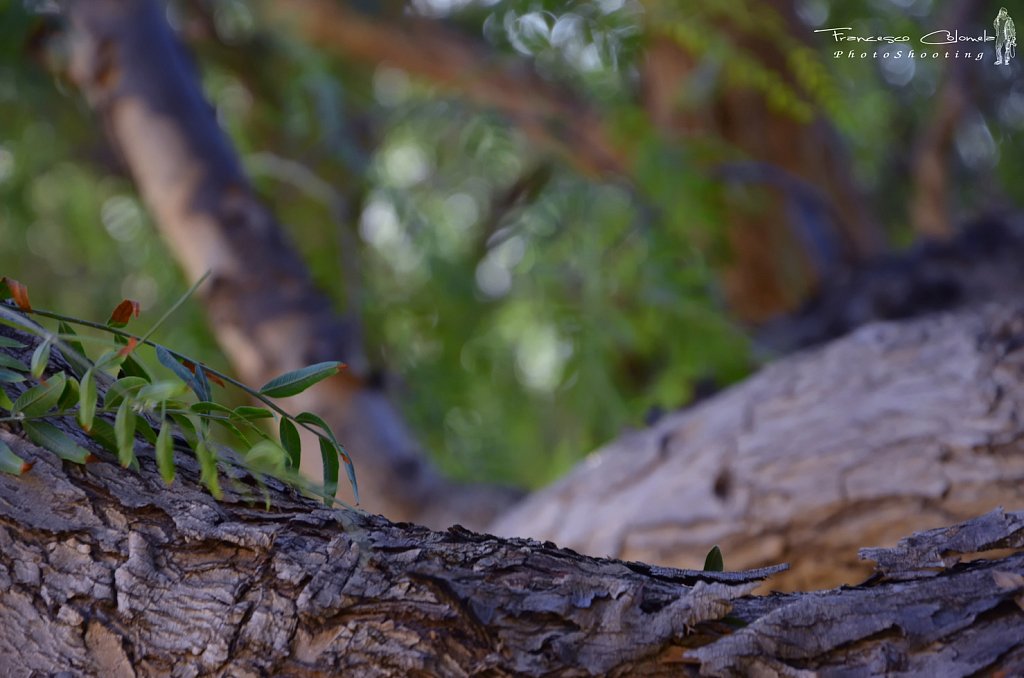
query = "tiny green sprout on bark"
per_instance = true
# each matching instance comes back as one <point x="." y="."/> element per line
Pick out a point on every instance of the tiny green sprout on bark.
<point x="714" y="561"/>
<point x="116" y="400"/>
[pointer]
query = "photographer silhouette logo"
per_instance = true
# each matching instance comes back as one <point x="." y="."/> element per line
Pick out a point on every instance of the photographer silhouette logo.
<point x="1006" y="38"/>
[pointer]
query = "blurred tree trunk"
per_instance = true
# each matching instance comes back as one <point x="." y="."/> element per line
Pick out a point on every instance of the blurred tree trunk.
<point x="263" y="308"/>
<point x="931" y="184"/>
<point x="894" y="428"/>
<point x="800" y="195"/>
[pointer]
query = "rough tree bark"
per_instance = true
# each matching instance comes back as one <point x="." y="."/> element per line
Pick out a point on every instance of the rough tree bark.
<point x="107" y="571"/>
<point x="895" y="428"/>
<point x="263" y="307"/>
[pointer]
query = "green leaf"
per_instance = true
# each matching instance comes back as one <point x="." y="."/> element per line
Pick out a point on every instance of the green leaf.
<point x="12" y="363"/>
<point x="160" y="392"/>
<point x="5" y="401"/>
<point x="208" y="469"/>
<point x="314" y="420"/>
<point x="165" y="452"/>
<point x="41" y="398"/>
<point x="53" y="439"/>
<point x="144" y="429"/>
<point x="41" y="357"/>
<point x="68" y="336"/>
<point x="290" y="442"/>
<point x="7" y="342"/>
<point x="207" y="406"/>
<point x="10" y="462"/>
<point x="133" y="368"/>
<point x="266" y="456"/>
<point x="87" y="400"/>
<point x="248" y="412"/>
<point x="109" y="363"/>
<point x="121" y="389"/>
<point x="188" y="428"/>
<point x="103" y="433"/>
<point x="130" y="367"/>
<point x="79" y="363"/>
<point x="9" y="377"/>
<point x="298" y="381"/>
<point x="329" y="455"/>
<point x="124" y="432"/>
<point x="714" y="561"/>
<point x="165" y="358"/>
<point x="68" y="397"/>
<point x="234" y="430"/>
<point x="350" y="471"/>
<point x="204" y="383"/>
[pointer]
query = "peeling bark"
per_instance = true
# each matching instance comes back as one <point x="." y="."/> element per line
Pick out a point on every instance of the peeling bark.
<point x="263" y="308"/>
<point x="895" y="428"/>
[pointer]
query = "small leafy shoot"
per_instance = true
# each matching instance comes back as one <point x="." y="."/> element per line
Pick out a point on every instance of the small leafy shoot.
<point x="112" y="397"/>
<point x="714" y="562"/>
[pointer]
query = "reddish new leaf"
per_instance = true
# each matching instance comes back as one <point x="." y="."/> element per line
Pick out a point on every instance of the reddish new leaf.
<point x="191" y="367"/>
<point x="18" y="292"/>
<point x="129" y="347"/>
<point x="124" y="312"/>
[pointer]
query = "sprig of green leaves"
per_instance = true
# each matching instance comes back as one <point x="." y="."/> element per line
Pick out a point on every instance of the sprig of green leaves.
<point x="133" y="398"/>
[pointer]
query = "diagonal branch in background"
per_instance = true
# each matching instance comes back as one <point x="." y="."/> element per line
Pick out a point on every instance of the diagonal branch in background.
<point x="262" y="305"/>
<point x="546" y="113"/>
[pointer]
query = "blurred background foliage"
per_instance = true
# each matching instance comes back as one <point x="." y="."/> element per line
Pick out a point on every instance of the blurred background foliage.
<point x="524" y="308"/>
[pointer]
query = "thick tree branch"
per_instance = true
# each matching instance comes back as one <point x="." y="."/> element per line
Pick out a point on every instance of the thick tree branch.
<point x="107" y="571"/>
<point x="895" y="428"/>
